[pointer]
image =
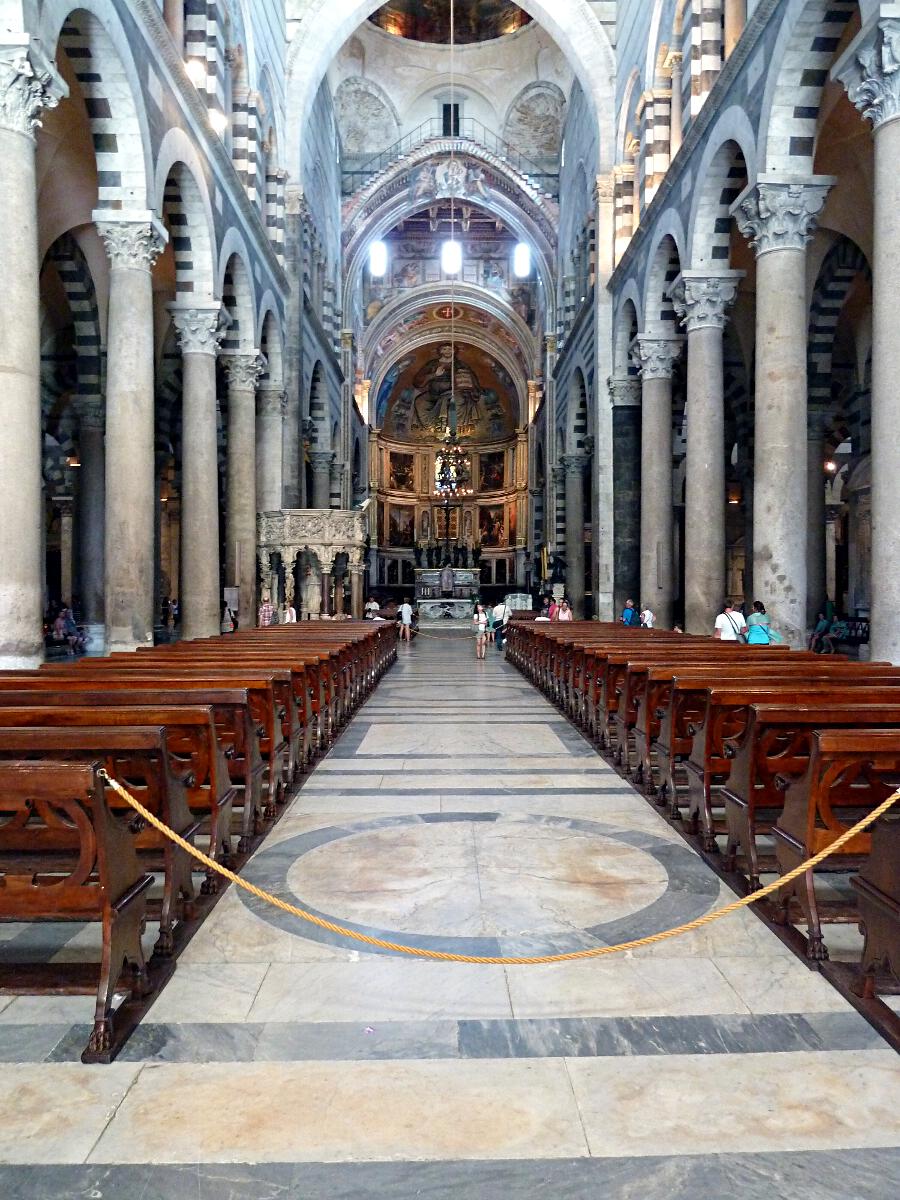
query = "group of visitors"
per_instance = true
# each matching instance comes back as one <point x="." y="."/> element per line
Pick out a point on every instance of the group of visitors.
<point x="490" y="626"/>
<point x="826" y="632"/>
<point x="555" y="610"/>
<point x="65" y="631"/>
<point x="267" y="615"/>
<point x="645" y="619"/>
<point x="756" y="630"/>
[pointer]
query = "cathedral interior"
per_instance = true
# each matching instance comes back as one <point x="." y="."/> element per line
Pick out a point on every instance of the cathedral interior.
<point x="309" y="298"/>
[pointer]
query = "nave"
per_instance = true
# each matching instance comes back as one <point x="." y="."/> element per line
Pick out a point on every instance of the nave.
<point x="460" y="811"/>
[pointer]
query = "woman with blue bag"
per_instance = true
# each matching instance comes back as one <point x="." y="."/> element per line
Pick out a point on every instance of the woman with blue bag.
<point x="759" y="631"/>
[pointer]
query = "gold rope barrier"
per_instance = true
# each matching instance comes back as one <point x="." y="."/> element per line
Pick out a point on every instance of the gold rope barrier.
<point x="499" y="960"/>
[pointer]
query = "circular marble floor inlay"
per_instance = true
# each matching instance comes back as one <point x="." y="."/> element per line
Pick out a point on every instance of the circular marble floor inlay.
<point x="483" y="883"/>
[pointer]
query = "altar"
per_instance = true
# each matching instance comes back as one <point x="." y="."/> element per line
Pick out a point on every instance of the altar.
<point x="447" y="593"/>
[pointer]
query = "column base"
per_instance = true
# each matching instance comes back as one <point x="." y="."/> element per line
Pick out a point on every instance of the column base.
<point x="96" y="635"/>
<point x="20" y="662"/>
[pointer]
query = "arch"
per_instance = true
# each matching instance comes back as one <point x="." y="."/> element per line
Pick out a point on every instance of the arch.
<point x="577" y="415"/>
<point x="538" y="135"/>
<point x="98" y="49"/>
<point x="626" y="330"/>
<point x="398" y="193"/>
<point x="723" y="172"/>
<point x="841" y="266"/>
<point x="78" y="286"/>
<point x="319" y="424"/>
<point x="186" y="211"/>
<point x="652" y="43"/>
<point x="365" y="116"/>
<point x="626" y="111"/>
<point x="238" y="300"/>
<point x="270" y="346"/>
<point x="327" y="24"/>
<point x="804" y="50"/>
<point x="665" y="265"/>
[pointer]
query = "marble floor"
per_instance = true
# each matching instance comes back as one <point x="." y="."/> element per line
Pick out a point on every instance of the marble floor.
<point x="459" y="811"/>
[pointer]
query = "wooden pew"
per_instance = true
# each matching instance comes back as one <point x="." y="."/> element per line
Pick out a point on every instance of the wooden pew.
<point x="726" y="714"/>
<point x="65" y="855"/>
<point x="877" y="888"/>
<point x="850" y="772"/>
<point x="194" y="755"/>
<point x="776" y="744"/>
<point x="236" y="732"/>
<point x="266" y="711"/>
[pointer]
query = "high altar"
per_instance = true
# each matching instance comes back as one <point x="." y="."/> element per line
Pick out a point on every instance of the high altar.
<point x="437" y="602"/>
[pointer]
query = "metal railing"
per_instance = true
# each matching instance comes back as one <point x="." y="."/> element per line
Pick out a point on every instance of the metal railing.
<point x="466" y="130"/>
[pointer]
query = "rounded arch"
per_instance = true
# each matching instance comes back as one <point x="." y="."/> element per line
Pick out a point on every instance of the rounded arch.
<point x="665" y="265"/>
<point x="270" y="346"/>
<point x="804" y="50"/>
<point x="319" y="424"/>
<point x="237" y="298"/>
<point x="538" y="135"/>
<point x="78" y="288"/>
<point x="841" y="266"/>
<point x="626" y="108"/>
<point x="184" y="204"/>
<point x="726" y="166"/>
<point x="327" y="24"/>
<point x="577" y="414"/>
<point x="365" y="116"/>
<point x="97" y="46"/>
<point x="627" y="325"/>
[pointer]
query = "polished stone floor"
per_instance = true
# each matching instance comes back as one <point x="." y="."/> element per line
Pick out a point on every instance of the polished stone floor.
<point x="459" y="811"/>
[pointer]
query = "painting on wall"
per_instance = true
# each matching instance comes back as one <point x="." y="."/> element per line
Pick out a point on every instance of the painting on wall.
<point x="429" y="20"/>
<point x="418" y="401"/>
<point x="401" y="472"/>
<point x="490" y="524"/>
<point x="401" y="526"/>
<point x="491" y="471"/>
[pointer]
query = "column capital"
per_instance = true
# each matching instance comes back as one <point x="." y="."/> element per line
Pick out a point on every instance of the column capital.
<point x="320" y="460"/>
<point x="133" y="240"/>
<point x="604" y="188"/>
<point x="198" y="327"/>
<point x="624" y="393"/>
<point x="781" y="213"/>
<point x="65" y="505"/>
<point x="550" y="343"/>
<point x="655" y="357"/>
<point x="243" y="370"/>
<point x="91" y="412"/>
<point x="29" y="83"/>
<point x="272" y="399"/>
<point x="574" y="464"/>
<point x="558" y="474"/>
<point x="702" y="298"/>
<point x="870" y="68"/>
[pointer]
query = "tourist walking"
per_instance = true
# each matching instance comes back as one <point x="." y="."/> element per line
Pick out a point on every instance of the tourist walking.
<point x="480" y="621"/>
<point x="502" y="613"/>
<point x="648" y="617"/>
<point x="564" y="612"/>
<point x="490" y="625"/>
<point x="406" y="616"/>
<point x="288" y="614"/>
<point x="266" y="614"/>
<point x="730" y="625"/>
<point x="630" y="614"/>
<point x="227" y="625"/>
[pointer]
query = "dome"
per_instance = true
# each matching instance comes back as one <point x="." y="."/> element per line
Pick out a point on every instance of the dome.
<point x="429" y="20"/>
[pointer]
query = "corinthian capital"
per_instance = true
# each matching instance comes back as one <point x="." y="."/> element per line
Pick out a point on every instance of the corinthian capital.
<point x="624" y="393"/>
<point x="243" y="370"/>
<point x="29" y="83"/>
<point x="574" y="464"/>
<point x="272" y="399"/>
<point x="132" y="240"/>
<point x="781" y="214"/>
<point x="197" y="327"/>
<point x="655" y="357"/>
<point x="702" y="299"/>
<point x="870" y="68"/>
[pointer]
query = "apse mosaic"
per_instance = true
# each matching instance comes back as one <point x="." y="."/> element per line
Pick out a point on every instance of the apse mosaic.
<point x="414" y="399"/>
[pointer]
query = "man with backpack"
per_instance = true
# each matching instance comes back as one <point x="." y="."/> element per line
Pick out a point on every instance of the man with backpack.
<point x="630" y="614"/>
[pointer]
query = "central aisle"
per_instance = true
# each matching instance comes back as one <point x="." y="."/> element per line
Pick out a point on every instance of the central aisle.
<point x="460" y="811"/>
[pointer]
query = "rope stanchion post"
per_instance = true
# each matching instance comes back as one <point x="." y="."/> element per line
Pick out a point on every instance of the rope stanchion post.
<point x="499" y="960"/>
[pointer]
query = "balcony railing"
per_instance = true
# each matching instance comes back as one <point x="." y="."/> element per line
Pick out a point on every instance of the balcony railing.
<point x="468" y="131"/>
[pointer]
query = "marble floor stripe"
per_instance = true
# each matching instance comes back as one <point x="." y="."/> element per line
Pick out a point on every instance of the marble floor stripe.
<point x="351" y="1041"/>
<point x="871" y="1174"/>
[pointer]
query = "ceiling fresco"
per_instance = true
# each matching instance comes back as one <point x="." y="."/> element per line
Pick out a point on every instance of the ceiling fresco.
<point x="429" y="20"/>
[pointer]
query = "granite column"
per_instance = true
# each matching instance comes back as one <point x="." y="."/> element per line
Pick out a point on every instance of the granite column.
<point x="779" y="217"/>
<point x="701" y="299"/>
<point x="243" y="372"/>
<point x="28" y="83"/>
